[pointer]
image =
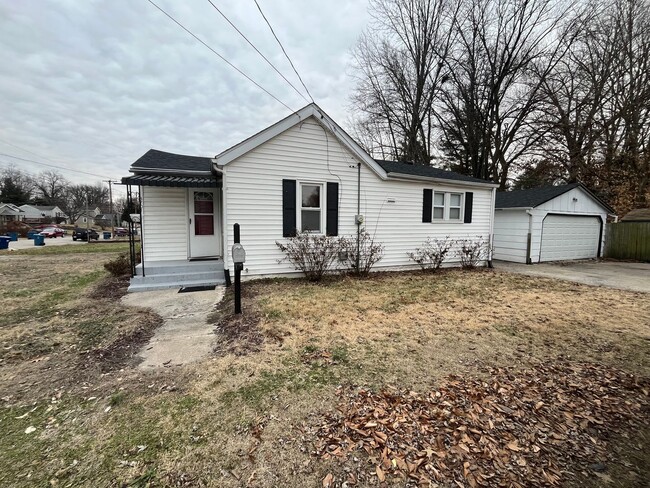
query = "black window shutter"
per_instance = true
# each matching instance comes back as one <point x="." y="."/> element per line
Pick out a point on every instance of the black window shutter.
<point x="332" y="226"/>
<point x="427" y="205"/>
<point x="288" y="208"/>
<point x="469" y="203"/>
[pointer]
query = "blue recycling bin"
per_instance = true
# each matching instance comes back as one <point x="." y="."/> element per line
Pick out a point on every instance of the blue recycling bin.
<point x="107" y="235"/>
<point x="4" y="242"/>
<point x="32" y="233"/>
<point x="39" y="240"/>
<point x="13" y="236"/>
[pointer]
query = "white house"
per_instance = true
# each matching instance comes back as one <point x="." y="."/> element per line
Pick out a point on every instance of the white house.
<point x="302" y="173"/>
<point x="10" y="212"/>
<point x="551" y="223"/>
<point x="41" y="213"/>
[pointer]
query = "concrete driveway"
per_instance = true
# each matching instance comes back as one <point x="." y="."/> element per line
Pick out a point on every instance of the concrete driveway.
<point x="624" y="276"/>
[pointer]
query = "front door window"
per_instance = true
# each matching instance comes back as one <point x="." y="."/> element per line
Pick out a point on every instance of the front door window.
<point x="203" y="214"/>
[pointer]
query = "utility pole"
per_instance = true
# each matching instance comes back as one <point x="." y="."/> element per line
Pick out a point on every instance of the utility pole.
<point x="87" y="221"/>
<point x="110" y="196"/>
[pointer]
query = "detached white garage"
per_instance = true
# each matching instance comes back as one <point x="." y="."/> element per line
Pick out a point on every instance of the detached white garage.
<point x="552" y="223"/>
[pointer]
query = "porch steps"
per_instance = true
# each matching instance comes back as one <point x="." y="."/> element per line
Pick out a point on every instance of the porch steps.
<point x="163" y="275"/>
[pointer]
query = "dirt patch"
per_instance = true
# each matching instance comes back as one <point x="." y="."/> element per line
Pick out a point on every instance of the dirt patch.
<point x="111" y="288"/>
<point x="237" y="334"/>
<point x="540" y="427"/>
<point x="63" y="326"/>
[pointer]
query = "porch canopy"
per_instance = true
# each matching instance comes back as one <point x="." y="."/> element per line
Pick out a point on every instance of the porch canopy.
<point x="171" y="180"/>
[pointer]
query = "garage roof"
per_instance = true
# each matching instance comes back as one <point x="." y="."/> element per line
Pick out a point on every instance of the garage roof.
<point x="534" y="197"/>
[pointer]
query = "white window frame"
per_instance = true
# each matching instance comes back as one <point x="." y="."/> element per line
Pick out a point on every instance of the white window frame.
<point x="321" y="208"/>
<point x="447" y="206"/>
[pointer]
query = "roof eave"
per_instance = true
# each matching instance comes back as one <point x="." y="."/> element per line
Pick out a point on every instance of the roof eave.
<point x="513" y="208"/>
<point x="446" y="181"/>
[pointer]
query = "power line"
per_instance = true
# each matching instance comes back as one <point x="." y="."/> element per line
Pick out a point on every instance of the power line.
<point x="257" y="50"/>
<point x="220" y="56"/>
<point x="53" y="166"/>
<point x="283" y="50"/>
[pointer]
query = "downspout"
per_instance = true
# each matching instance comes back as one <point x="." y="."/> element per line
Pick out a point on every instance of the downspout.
<point x="224" y="221"/>
<point x="358" y="219"/>
<point x="529" y="238"/>
<point x="491" y="236"/>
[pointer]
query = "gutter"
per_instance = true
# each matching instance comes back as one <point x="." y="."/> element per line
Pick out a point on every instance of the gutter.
<point x="445" y="181"/>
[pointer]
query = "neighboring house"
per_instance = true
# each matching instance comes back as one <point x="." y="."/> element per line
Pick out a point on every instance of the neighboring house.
<point x="551" y="223"/>
<point x="105" y="220"/>
<point x="85" y="219"/>
<point x="38" y="214"/>
<point x="303" y="173"/>
<point x="637" y="215"/>
<point x="10" y="212"/>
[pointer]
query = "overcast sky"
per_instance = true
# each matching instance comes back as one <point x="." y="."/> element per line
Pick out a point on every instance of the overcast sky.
<point x="93" y="84"/>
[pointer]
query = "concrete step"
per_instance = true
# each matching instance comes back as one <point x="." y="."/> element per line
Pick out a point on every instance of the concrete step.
<point x="178" y="277"/>
<point x="174" y="284"/>
<point x="179" y="268"/>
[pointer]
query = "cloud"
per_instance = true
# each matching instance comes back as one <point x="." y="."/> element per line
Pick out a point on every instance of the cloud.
<point x="93" y="85"/>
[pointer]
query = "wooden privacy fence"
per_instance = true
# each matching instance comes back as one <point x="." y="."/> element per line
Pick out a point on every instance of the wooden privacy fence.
<point x="628" y="240"/>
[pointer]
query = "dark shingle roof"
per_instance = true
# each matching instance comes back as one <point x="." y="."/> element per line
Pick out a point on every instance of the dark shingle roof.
<point x="637" y="215"/>
<point x="426" y="171"/>
<point x="154" y="159"/>
<point x="535" y="197"/>
<point x="531" y="197"/>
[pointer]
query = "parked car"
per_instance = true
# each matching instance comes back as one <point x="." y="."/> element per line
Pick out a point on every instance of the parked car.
<point x="121" y="232"/>
<point x="52" y="232"/>
<point x="80" y="234"/>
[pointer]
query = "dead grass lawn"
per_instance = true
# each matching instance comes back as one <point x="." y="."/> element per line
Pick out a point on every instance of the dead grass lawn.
<point x="241" y="417"/>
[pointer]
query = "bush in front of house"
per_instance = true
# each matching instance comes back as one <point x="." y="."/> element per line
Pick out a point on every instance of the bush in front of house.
<point x="120" y="266"/>
<point x="472" y="252"/>
<point x="432" y="253"/>
<point x="370" y="252"/>
<point x="312" y="254"/>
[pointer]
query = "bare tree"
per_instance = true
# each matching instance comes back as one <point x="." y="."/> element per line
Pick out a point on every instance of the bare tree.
<point x="504" y="52"/>
<point x="400" y="66"/>
<point x="79" y="197"/>
<point x="52" y="187"/>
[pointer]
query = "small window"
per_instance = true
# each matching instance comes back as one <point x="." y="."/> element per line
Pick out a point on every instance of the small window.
<point x="311" y="208"/>
<point x="438" y="206"/>
<point x="447" y="206"/>
<point x="455" y="204"/>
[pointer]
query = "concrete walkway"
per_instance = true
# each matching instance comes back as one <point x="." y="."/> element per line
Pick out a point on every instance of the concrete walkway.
<point x="185" y="335"/>
<point x="621" y="275"/>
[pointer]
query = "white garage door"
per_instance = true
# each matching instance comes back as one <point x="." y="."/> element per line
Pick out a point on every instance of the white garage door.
<point x="569" y="237"/>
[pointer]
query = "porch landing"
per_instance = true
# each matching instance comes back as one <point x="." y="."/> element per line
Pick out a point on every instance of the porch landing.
<point x="161" y="275"/>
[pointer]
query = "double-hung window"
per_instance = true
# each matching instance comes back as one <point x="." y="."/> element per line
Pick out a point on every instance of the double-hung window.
<point x="311" y="208"/>
<point x="447" y="206"/>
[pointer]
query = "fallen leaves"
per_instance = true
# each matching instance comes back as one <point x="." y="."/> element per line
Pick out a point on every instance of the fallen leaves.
<point x="517" y="428"/>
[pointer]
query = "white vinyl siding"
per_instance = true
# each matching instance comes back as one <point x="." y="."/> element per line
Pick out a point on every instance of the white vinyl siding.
<point x="511" y="235"/>
<point x="392" y="209"/>
<point x="164" y="223"/>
